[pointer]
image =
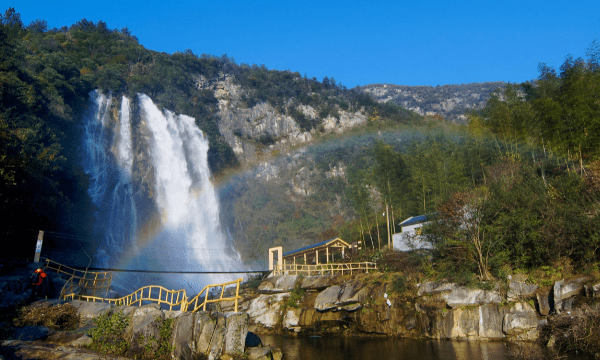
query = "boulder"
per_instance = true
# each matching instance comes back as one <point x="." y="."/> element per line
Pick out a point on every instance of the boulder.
<point x="518" y="291"/>
<point x="204" y="326"/>
<point x="265" y="309"/>
<point x="236" y="328"/>
<point x="291" y="319"/>
<point x="263" y="353"/>
<point x="218" y="338"/>
<point x="279" y="284"/>
<point x="564" y="290"/>
<point x="328" y="298"/>
<point x="145" y="321"/>
<point x="78" y="338"/>
<point x="318" y="282"/>
<point x="352" y="292"/>
<point x="521" y="322"/>
<point x="89" y="310"/>
<point x="183" y="335"/>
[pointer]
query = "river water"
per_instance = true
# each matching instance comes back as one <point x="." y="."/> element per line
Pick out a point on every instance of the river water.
<point x="363" y="348"/>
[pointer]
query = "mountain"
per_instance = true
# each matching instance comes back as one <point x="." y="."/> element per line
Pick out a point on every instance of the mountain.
<point x="451" y="102"/>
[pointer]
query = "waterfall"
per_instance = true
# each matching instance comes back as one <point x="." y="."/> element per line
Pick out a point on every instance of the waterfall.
<point x="156" y="206"/>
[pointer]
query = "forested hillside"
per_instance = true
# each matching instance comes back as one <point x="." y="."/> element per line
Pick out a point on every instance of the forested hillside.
<point x="47" y="74"/>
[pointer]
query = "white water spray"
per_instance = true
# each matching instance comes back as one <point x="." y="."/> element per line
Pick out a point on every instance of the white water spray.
<point x="189" y="236"/>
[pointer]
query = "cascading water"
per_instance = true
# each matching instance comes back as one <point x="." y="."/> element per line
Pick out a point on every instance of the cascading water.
<point x="157" y="208"/>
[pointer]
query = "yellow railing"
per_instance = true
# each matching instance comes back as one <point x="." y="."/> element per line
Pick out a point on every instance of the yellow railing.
<point x="206" y="291"/>
<point x="323" y="269"/>
<point x="87" y="280"/>
<point x="153" y="293"/>
<point x="160" y="295"/>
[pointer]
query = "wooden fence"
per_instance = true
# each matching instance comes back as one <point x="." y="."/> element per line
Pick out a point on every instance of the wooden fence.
<point x="323" y="269"/>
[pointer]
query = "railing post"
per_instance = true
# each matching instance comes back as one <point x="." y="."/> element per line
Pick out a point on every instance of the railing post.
<point x="237" y="293"/>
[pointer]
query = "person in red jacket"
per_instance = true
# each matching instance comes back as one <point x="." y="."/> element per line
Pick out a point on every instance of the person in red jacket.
<point x="40" y="284"/>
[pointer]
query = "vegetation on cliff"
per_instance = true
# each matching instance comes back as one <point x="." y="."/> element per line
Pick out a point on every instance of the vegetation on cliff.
<point x="47" y="74"/>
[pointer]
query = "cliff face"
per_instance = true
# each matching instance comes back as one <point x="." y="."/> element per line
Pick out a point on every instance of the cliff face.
<point x="449" y="101"/>
<point x="254" y="133"/>
<point x="369" y="304"/>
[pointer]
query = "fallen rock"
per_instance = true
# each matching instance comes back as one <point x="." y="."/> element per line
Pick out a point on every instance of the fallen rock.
<point x="352" y="292"/>
<point x="145" y="321"/>
<point x="78" y="338"/>
<point x="291" y="319"/>
<point x="218" y="338"/>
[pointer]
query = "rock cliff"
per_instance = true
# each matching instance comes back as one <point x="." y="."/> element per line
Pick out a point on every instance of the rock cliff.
<point x="440" y="310"/>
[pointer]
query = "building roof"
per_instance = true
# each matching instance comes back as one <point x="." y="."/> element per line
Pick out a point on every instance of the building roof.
<point x="416" y="220"/>
<point x="319" y="244"/>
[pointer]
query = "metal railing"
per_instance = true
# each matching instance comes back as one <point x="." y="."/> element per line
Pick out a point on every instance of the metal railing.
<point x="323" y="269"/>
<point x="86" y="280"/>
<point x="206" y="291"/>
<point x="152" y="293"/>
<point x="161" y="295"/>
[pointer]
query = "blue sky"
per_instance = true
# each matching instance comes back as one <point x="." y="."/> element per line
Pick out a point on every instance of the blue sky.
<point x="356" y="42"/>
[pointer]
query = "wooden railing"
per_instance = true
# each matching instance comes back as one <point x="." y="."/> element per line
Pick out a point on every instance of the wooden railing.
<point x="86" y="280"/>
<point x="160" y="295"/>
<point x="323" y="269"/>
<point x="194" y="301"/>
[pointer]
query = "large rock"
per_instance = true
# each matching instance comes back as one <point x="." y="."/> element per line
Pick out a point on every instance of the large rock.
<point x="518" y="291"/>
<point x="218" y="338"/>
<point x="183" y="335"/>
<point x="204" y="327"/>
<point x="328" y="298"/>
<point x="89" y="310"/>
<point x="265" y="309"/>
<point x="521" y="322"/>
<point x="564" y="290"/>
<point x="352" y="292"/>
<point x="462" y="296"/>
<point x="490" y="321"/>
<point x="27" y="350"/>
<point x="318" y="282"/>
<point x="236" y="329"/>
<point x="279" y="284"/>
<point x="291" y="319"/>
<point x="264" y="353"/>
<point x="145" y="321"/>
